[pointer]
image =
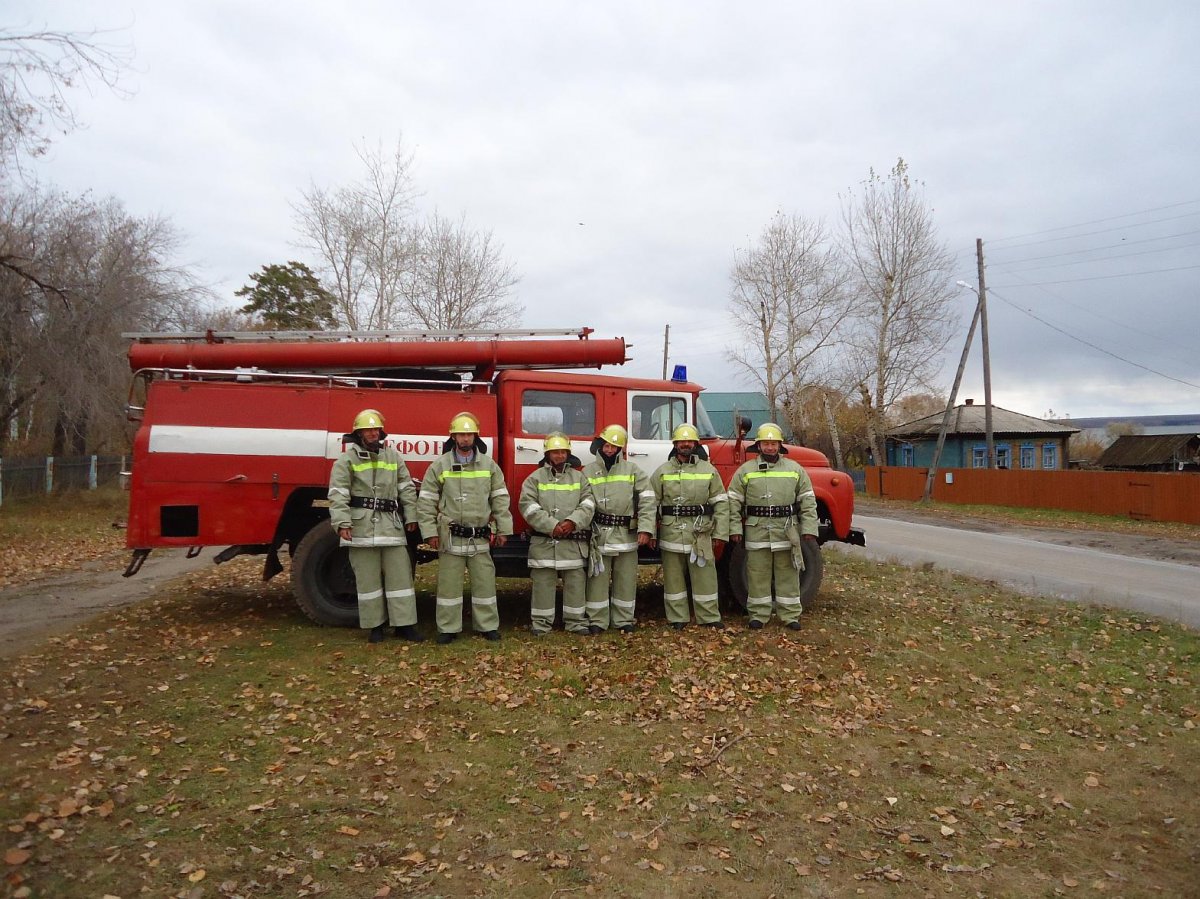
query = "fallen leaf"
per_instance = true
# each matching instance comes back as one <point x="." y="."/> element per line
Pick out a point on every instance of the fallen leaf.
<point x="348" y="830"/>
<point x="16" y="856"/>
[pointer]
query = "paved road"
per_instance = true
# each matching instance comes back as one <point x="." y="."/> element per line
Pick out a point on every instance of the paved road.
<point x="1164" y="589"/>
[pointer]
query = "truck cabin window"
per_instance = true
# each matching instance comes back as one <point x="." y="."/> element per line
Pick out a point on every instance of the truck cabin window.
<point x="655" y="417"/>
<point x="543" y="411"/>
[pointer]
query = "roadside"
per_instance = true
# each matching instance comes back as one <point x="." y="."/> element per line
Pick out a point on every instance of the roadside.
<point x="1159" y="541"/>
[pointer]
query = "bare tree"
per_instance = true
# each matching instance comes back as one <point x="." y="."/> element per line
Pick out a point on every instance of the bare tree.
<point x="85" y="271"/>
<point x="788" y="301"/>
<point x="900" y="272"/>
<point x="363" y="236"/>
<point x="458" y="279"/>
<point x="37" y="69"/>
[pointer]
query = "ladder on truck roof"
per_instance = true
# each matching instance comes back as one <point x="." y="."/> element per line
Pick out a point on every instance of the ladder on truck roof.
<point x="267" y="336"/>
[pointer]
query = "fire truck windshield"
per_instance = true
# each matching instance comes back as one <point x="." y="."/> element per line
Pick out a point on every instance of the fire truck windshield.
<point x="703" y="423"/>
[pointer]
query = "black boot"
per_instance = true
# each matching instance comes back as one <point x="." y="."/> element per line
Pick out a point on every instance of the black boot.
<point x="409" y="632"/>
<point x="446" y="637"/>
<point x="377" y="634"/>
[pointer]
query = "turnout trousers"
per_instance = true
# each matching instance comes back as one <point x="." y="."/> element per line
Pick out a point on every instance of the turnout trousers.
<point x="611" y="594"/>
<point x="484" y="613"/>
<point x="677" y="567"/>
<point x="383" y="575"/>
<point x="763" y="565"/>
<point x="541" y="607"/>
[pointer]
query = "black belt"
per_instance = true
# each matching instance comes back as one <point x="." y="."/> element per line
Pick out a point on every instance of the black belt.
<point x="685" y="511"/>
<point x="770" y="511"/>
<point x="612" y="520"/>
<point x="462" y="530"/>
<point x="574" y="535"/>
<point x="371" y="502"/>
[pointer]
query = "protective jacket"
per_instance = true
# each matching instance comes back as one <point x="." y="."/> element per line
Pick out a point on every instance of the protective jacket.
<point x="373" y="495"/>
<point x="620" y="492"/>
<point x="462" y="503"/>
<point x="766" y="499"/>
<point x="692" y="506"/>
<point x="547" y="499"/>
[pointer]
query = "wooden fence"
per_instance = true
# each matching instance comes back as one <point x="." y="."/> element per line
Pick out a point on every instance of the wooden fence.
<point x="1148" y="497"/>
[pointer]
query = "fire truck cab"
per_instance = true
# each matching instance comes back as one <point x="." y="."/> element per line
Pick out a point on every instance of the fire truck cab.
<point x="237" y="433"/>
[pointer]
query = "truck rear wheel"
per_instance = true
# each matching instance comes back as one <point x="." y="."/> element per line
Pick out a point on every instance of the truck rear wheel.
<point x="735" y="583"/>
<point x="322" y="579"/>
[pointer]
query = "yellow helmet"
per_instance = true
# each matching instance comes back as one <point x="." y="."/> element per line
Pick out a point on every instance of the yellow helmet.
<point x="685" y="431"/>
<point x="464" y="423"/>
<point x="368" y="418"/>
<point x="768" y="430"/>
<point x="556" y="441"/>
<point x="616" y="435"/>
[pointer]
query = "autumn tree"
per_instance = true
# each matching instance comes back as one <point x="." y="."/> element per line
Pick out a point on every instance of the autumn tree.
<point x="387" y="268"/>
<point x="37" y="70"/>
<point x="788" y="300"/>
<point x="458" y="279"/>
<point x="288" y="298"/>
<point x="900" y="274"/>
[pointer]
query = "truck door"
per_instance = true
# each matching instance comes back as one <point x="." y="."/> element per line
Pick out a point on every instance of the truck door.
<point x="653" y="415"/>
<point x="572" y="411"/>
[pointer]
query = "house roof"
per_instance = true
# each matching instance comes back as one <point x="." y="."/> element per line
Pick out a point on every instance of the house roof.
<point x="1138" y="450"/>
<point x="971" y="419"/>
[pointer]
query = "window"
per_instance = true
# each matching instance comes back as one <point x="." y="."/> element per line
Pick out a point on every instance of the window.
<point x="1049" y="456"/>
<point x="906" y="454"/>
<point x="543" y="411"/>
<point x="1027" y="455"/>
<point x="979" y="457"/>
<point x="654" y="416"/>
<point x="1004" y="456"/>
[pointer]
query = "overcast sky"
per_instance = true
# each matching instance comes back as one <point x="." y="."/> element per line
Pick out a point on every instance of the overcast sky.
<point x="622" y="151"/>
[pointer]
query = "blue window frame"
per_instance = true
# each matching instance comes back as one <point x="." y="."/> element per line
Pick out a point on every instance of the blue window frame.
<point x="1003" y="455"/>
<point x="979" y="456"/>
<point x="1049" y="456"/>
<point x="1027" y="456"/>
<point x="906" y="454"/>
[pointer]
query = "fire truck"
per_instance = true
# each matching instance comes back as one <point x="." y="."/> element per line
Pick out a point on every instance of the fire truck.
<point x="237" y="432"/>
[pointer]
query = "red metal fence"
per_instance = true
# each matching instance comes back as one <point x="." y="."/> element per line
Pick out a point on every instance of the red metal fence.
<point x="1150" y="497"/>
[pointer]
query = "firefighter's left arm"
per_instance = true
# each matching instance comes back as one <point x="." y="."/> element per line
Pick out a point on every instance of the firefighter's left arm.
<point x="530" y="504"/>
<point x="808" y="505"/>
<point x="720" y="503"/>
<point x="645" y="502"/>
<point x="339" y="494"/>
<point x="582" y="516"/>
<point x="499" y="501"/>
<point x="406" y="493"/>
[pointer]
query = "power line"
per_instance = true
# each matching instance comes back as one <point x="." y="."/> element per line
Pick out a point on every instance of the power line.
<point x="1110" y="246"/>
<point x="1111" y="218"/>
<point x="1087" y="343"/>
<point x="1156" y="271"/>
<point x="1007" y="266"/>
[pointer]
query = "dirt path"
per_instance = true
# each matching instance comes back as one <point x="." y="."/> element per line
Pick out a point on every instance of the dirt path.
<point x="31" y="612"/>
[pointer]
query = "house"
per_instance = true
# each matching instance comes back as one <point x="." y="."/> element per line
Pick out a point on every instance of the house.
<point x="724" y="408"/>
<point x="1021" y="441"/>
<point x="1153" y="452"/>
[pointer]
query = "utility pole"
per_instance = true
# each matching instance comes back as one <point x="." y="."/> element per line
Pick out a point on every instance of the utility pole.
<point x="962" y="364"/>
<point x="987" y="358"/>
<point x="666" y="343"/>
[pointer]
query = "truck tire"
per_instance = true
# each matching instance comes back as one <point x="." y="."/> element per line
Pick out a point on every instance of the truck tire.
<point x="322" y="579"/>
<point x="735" y="583"/>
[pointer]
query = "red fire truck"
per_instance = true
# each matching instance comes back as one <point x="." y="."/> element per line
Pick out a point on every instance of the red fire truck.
<point x="238" y="431"/>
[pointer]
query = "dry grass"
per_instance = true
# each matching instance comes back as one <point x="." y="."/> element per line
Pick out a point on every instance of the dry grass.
<point x="923" y="733"/>
<point x="39" y="536"/>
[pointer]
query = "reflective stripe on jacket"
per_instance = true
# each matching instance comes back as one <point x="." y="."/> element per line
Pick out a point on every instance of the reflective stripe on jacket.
<point x="548" y="499"/>
<point x="623" y="489"/>
<point x="695" y="483"/>
<point x="780" y="483"/>
<point x="382" y="475"/>
<point x="472" y="494"/>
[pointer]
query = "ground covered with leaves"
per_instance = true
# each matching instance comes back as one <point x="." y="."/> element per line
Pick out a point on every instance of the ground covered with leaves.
<point x="922" y="733"/>
<point x="40" y="536"/>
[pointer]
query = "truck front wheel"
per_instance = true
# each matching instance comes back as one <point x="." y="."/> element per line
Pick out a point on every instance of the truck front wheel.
<point x="735" y="583"/>
<point x="322" y="579"/>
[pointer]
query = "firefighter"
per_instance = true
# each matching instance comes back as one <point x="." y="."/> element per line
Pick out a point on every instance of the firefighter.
<point x="624" y="520"/>
<point x="693" y="526"/>
<point x="557" y="504"/>
<point x="372" y="503"/>
<point x="773" y="510"/>
<point x="463" y="511"/>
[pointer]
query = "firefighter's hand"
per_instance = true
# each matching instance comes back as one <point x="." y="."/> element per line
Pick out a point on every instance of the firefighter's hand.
<point x="645" y="539"/>
<point x="718" y="548"/>
<point x="735" y="538"/>
<point x="345" y="533"/>
<point x="433" y="543"/>
<point x="563" y="528"/>
<point x="653" y="543"/>
<point x="497" y="539"/>
<point x="411" y="527"/>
